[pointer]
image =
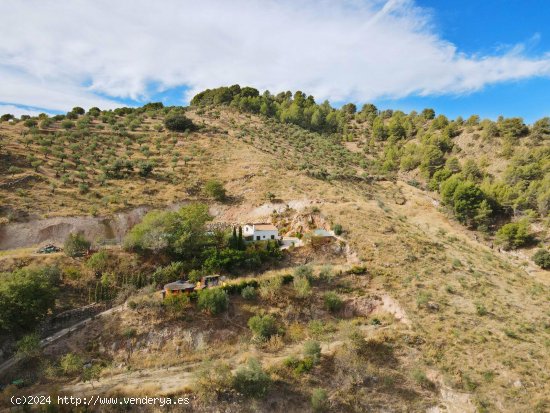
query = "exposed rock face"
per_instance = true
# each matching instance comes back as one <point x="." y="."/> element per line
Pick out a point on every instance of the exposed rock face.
<point x="56" y="230"/>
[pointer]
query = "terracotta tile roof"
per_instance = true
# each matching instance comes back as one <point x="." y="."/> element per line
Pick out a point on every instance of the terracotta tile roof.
<point x="265" y="227"/>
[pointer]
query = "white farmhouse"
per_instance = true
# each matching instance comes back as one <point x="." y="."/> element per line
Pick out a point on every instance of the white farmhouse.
<point x="260" y="232"/>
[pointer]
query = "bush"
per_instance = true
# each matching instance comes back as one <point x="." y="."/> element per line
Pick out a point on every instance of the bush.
<point x="312" y="349"/>
<point x="299" y="366"/>
<point x="326" y="273"/>
<point x="251" y="380"/>
<point x="212" y="379"/>
<point x="178" y="123"/>
<point x="248" y="293"/>
<point x="180" y="234"/>
<point x="467" y="198"/>
<point x="269" y="289"/>
<point x="26" y="296"/>
<point x="71" y="364"/>
<point x="29" y="346"/>
<point x="83" y="188"/>
<point x="215" y="189"/>
<point x="333" y="302"/>
<point x="30" y="123"/>
<point x="67" y="124"/>
<point x="99" y="261"/>
<point x="304" y="271"/>
<point x="514" y="235"/>
<point x="213" y="300"/>
<point x="176" y="304"/>
<point x="302" y="286"/>
<point x="542" y="259"/>
<point x="420" y="377"/>
<point x="171" y="272"/>
<point x="263" y="326"/>
<point x="319" y="400"/>
<point x="145" y="168"/>
<point x="337" y="228"/>
<point x="76" y="245"/>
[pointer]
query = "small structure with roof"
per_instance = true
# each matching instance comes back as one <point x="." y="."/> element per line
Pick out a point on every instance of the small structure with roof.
<point x="260" y="232"/>
<point x="177" y="287"/>
<point x="321" y="237"/>
<point x="210" y="281"/>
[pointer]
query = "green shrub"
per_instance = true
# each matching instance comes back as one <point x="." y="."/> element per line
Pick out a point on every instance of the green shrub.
<point x="71" y="364"/>
<point x="178" y="123"/>
<point x="299" y="366"/>
<point x="78" y="110"/>
<point x="263" y="326"/>
<point x="215" y="189"/>
<point x="312" y="349"/>
<point x="171" y="272"/>
<point x="420" y="377"/>
<point x="481" y="310"/>
<point x="29" y="346"/>
<point x="302" y="286"/>
<point x="26" y="296"/>
<point x="91" y="373"/>
<point x="67" y="124"/>
<point x="337" y="228"/>
<point x="99" y="261"/>
<point x="542" y="259"/>
<point x="333" y="302"/>
<point x="514" y="235"/>
<point x="176" y="304"/>
<point x="212" y="379"/>
<point x="319" y="400"/>
<point x="83" y="188"/>
<point x="248" y="293"/>
<point x="30" y="123"/>
<point x="251" y="380"/>
<point x="180" y="234"/>
<point x="358" y="270"/>
<point x="270" y="288"/>
<point x="304" y="271"/>
<point x="326" y="273"/>
<point x="145" y="168"/>
<point x="76" y="245"/>
<point x="213" y="300"/>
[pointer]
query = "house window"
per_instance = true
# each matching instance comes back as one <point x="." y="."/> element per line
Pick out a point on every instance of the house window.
<point x="273" y="237"/>
<point x="257" y="238"/>
<point x="264" y="236"/>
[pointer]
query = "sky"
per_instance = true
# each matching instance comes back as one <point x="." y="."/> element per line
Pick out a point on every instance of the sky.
<point x="488" y="57"/>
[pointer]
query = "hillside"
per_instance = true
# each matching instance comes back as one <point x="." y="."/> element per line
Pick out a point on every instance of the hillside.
<point x="435" y="315"/>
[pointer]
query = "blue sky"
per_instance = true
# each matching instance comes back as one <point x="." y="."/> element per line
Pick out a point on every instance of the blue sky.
<point x="486" y="27"/>
<point x="459" y="57"/>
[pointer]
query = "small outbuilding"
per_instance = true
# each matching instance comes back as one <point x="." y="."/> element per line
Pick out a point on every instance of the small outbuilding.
<point x="210" y="281"/>
<point x="321" y="237"/>
<point x="177" y="287"/>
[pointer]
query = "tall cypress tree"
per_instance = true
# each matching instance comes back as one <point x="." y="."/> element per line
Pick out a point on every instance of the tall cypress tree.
<point x="234" y="243"/>
<point x="240" y="241"/>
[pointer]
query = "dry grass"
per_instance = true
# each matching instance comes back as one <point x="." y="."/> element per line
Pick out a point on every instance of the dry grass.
<point x="477" y="317"/>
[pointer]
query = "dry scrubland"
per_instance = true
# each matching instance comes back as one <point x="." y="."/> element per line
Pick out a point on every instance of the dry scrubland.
<point x="444" y="322"/>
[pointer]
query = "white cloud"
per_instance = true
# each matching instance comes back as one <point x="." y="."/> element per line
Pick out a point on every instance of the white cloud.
<point x="17" y="111"/>
<point x="58" y="54"/>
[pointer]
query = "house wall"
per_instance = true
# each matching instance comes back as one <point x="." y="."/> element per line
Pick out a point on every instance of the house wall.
<point x="266" y="235"/>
